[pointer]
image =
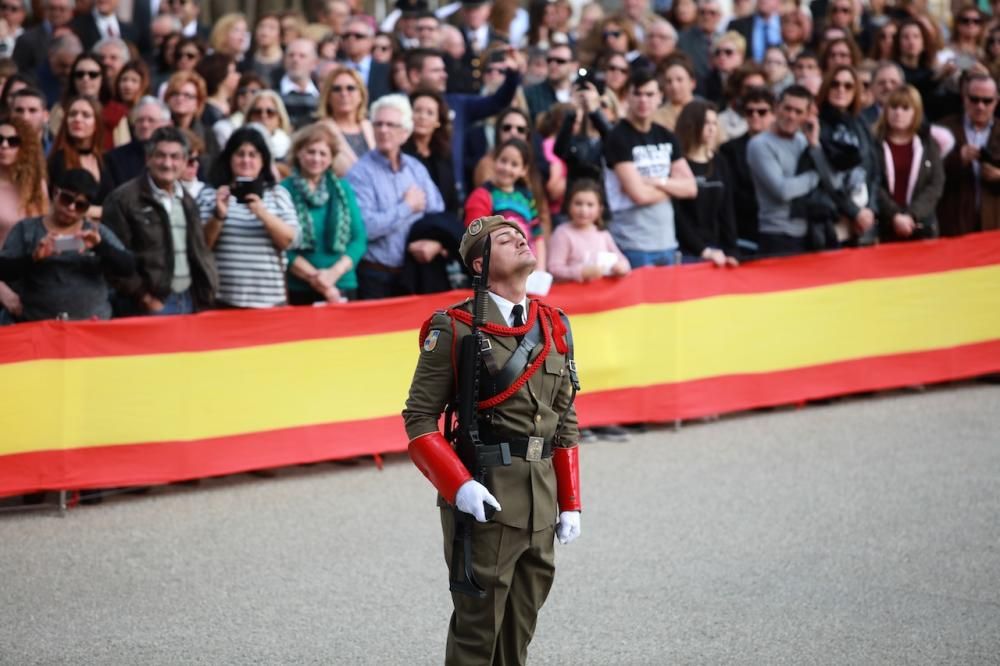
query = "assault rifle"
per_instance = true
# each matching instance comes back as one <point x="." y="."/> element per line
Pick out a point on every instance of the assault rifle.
<point x="467" y="434"/>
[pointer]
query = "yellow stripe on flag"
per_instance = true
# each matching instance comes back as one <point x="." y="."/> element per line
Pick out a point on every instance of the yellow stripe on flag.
<point x="758" y="333"/>
<point x="188" y="396"/>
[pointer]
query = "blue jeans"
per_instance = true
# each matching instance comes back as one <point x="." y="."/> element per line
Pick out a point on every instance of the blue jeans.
<point x="640" y="258"/>
<point x="176" y="303"/>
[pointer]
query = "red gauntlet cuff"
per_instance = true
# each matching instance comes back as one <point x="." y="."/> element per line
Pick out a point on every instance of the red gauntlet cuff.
<point x="566" y="462"/>
<point x="433" y="456"/>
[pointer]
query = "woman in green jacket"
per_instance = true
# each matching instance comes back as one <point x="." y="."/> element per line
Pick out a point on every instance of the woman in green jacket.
<point x="333" y="232"/>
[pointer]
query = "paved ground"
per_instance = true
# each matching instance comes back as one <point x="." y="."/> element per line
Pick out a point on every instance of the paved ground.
<point x="862" y="532"/>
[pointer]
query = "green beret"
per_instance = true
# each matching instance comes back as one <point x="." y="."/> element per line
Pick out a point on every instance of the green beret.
<point x="476" y="233"/>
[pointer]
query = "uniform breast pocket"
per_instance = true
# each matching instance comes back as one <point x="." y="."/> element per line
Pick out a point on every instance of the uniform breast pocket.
<point x="555" y="370"/>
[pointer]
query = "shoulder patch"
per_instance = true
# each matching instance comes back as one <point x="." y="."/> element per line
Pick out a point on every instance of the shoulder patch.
<point x="431" y="341"/>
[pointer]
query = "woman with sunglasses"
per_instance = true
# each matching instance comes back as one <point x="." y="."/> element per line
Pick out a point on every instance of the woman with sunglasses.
<point x="250" y="221"/>
<point x="60" y="259"/>
<point x="87" y="79"/>
<point x="614" y="33"/>
<point x="268" y="111"/>
<point x="343" y="108"/>
<point x="727" y="55"/>
<point x="321" y="268"/>
<point x="511" y="123"/>
<point x="79" y="145"/>
<point x="250" y="84"/>
<point x="23" y="192"/>
<point x="187" y="53"/>
<point x="963" y="51"/>
<point x="913" y="170"/>
<point x="266" y="53"/>
<point x="796" y="31"/>
<point x="851" y="205"/>
<point x="383" y="48"/>
<point x="615" y="68"/>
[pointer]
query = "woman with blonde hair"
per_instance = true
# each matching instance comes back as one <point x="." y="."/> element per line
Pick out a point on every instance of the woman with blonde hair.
<point x="912" y="170"/>
<point x="333" y="231"/>
<point x="230" y="35"/>
<point x="343" y="108"/>
<point x="267" y="110"/>
<point x="23" y="192"/>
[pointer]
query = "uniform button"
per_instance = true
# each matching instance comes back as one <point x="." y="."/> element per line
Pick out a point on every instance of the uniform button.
<point x="538" y="418"/>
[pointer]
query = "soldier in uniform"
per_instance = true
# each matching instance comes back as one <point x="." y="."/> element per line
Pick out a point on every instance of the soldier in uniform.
<point x="526" y="408"/>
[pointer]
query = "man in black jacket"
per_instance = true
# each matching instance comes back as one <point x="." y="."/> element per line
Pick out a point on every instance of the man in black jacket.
<point x="357" y="42"/>
<point x="102" y="22"/>
<point x="125" y="162"/>
<point x="32" y="46"/>
<point x="158" y="220"/>
<point x="758" y="110"/>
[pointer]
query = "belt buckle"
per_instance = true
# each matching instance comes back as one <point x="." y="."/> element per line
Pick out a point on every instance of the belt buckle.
<point x="534" y="451"/>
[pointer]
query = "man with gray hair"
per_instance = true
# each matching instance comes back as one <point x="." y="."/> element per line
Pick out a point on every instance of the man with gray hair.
<point x="113" y="54"/>
<point x="124" y="162"/>
<point x="159" y="222"/>
<point x="887" y="77"/>
<point x="53" y="73"/>
<point x="394" y="191"/>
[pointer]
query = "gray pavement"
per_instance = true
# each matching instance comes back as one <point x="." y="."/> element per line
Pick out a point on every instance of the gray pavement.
<point x="862" y="532"/>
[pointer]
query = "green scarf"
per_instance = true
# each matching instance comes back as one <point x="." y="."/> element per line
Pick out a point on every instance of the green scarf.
<point x="329" y="193"/>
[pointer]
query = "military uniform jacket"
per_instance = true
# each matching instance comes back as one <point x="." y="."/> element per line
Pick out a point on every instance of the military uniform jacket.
<point x="525" y="490"/>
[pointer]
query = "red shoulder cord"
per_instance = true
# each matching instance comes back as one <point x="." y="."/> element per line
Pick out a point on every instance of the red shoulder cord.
<point x="553" y="330"/>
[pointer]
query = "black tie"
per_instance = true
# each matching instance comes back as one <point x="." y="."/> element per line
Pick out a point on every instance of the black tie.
<point x="517" y="315"/>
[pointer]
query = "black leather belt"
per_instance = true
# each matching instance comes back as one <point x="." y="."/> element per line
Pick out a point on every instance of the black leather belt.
<point x="532" y="449"/>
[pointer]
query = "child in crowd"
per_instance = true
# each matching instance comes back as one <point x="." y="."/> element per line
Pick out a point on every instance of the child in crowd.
<point x="511" y="194"/>
<point x="582" y="250"/>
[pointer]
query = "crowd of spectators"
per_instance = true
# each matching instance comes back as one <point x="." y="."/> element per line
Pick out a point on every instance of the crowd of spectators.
<point x="170" y="156"/>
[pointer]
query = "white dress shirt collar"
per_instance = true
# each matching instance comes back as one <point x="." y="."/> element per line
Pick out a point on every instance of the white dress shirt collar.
<point x="507" y="307"/>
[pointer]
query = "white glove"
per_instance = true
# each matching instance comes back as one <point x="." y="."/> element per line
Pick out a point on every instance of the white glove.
<point x="568" y="528"/>
<point x="470" y="498"/>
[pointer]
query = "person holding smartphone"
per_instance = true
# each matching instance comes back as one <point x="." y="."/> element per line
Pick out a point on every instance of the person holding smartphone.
<point x="773" y="157"/>
<point x="59" y="260"/>
<point x="249" y="222"/>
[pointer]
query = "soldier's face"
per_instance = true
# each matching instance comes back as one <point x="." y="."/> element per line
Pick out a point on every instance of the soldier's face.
<point x="510" y="255"/>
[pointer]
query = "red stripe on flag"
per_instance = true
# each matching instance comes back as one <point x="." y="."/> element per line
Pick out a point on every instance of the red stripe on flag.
<point x="165" y="462"/>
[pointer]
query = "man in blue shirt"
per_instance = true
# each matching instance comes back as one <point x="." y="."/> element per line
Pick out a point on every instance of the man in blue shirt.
<point x="393" y="191"/>
<point x="761" y="29"/>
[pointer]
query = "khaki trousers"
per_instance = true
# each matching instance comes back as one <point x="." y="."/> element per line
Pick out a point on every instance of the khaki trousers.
<point x="516" y="567"/>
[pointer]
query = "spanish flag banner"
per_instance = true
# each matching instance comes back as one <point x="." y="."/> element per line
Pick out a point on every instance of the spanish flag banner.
<point x="152" y="400"/>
